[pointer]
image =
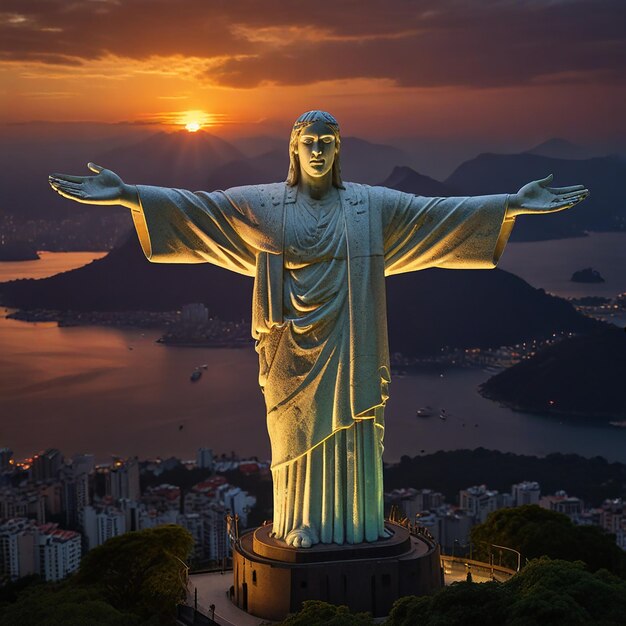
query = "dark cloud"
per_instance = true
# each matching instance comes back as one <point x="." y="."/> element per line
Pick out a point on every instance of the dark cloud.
<point x="478" y="43"/>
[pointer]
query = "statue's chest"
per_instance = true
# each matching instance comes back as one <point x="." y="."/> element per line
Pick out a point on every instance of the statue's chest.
<point x="313" y="233"/>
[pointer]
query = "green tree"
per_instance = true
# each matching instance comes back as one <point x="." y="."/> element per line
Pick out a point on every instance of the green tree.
<point x="536" y="532"/>
<point x="461" y="604"/>
<point x="140" y="572"/>
<point x="316" y="613"/>
<point x="63" y="605"/>
<point x="550" y="591"/>
<point x="10" y="591"/>
<point x="545" y="593"/>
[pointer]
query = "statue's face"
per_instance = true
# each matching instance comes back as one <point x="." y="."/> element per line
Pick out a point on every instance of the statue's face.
<point x="316" y="149"/>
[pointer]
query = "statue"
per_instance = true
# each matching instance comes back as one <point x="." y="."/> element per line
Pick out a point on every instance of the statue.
<point x="319" y="250"/>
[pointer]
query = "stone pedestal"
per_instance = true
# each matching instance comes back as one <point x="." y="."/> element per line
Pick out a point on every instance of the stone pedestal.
<point x="272" y="580"/>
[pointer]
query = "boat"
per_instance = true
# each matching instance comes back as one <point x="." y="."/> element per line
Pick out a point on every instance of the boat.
<point x="425" y="411"/>
<point x="196" y="376"/>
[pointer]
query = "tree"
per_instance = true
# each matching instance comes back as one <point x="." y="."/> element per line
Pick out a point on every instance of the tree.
<point x="63" y="605"/>
<point x="316" y="613"/>
<point x="140" y="572"/>
<point x="536" y="532"/>
<point x="545" y="593"/>
<point x="462" y="603"/>
<point x="550" y="591"/>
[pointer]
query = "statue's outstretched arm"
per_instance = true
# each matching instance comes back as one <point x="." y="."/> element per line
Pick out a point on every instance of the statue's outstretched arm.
<point x="105" y="188"/>
<point x="537" y="197"/>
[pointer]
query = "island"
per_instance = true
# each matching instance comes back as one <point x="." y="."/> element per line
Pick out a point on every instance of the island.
<point x="587" y="275"/>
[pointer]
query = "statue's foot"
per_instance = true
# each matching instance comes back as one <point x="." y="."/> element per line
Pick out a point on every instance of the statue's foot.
<point x="303" y="537"/>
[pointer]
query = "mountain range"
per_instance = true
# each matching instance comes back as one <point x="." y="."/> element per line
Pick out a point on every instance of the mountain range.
<point x="203" y="160"/>
<point x="605" y="209"/>
<point x="559" y="148"/>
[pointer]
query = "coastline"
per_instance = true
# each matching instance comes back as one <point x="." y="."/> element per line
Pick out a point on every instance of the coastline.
<point x="613" y="420"/>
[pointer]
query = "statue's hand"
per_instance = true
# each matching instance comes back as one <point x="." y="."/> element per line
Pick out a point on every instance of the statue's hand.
<point x="537" y="197"/>
<point x="105" y="188"/>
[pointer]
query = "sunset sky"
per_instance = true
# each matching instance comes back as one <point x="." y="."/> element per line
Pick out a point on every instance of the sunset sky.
<point x="434" y="68"/>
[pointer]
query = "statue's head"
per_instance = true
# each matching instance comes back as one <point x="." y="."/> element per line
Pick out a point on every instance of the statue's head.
<point x="314" y="147"/>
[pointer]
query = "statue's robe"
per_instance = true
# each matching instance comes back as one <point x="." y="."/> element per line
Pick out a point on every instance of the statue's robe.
<point x="319" y="319"/>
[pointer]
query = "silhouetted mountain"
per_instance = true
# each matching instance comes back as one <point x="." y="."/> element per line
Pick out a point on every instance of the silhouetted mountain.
<point x="30" y="152"/>
<point x="259" y="144"/>
<point x="267" y="167"/>
<point x="124" y="281"/>
<point x="204" y="161"/>
<point x="578" y="376"/>
<point x="427" y="310"/>
<point x="181" y="159"/>
<point x="177" y="159"/>
<point x="557" y="148"/>
<point x="408" y="180"/>
<point x="605" y="209"/>
<point x="369" y="163"/>
<point x="473" y="308"/>
<point x="361" y="161"/>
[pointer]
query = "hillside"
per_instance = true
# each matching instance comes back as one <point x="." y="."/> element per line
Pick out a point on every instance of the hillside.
<point x="427" y="310"/>
<point x="605" y="209"/>
<point x="578" y="376"/>
<point x="593" y="480"/>
<point x="408" y="180"/>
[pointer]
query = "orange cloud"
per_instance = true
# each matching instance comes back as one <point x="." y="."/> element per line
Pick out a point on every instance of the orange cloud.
<point x="432" y="43"/>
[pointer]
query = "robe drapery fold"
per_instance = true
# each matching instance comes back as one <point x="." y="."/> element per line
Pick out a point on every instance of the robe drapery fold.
<point x="378" y="232"/>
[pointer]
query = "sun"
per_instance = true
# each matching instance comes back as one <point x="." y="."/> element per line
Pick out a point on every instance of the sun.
<point x="193" y="121"/>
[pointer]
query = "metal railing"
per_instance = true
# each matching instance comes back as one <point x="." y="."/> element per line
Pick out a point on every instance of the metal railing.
<point x="490" y="570"/>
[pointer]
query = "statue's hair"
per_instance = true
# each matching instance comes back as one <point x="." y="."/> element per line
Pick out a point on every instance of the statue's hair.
<point x="306" y="119"/>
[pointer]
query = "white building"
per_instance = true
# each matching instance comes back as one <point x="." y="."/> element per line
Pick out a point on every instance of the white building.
<point x="217" y="546"/>
<point x="100" y="526"/>
<point x="59" y="552"/>
<point x="449" y="526"/>
<point x="238" y="502"/>
<point x="152" y="518"/>
<point x="613" y="517"/>
<point x="17" y="547"/>
<point x="28" y="548"/>
<point x="415" y="501"/>
<point x="562" y="503"/>
<point x="194" y="523"/>
<point x="478" y="501"/>
<point x="525" y="492"/>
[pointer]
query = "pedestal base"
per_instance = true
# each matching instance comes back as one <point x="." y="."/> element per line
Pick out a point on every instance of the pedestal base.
<point x="272" y="580"/>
